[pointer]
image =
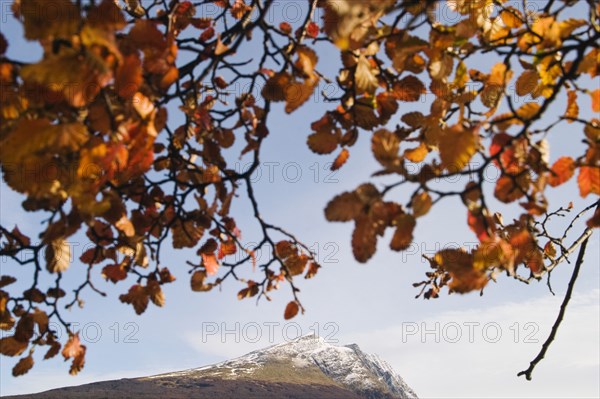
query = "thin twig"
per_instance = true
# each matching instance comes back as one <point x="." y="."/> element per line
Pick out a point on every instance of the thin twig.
<point x="561" y="314"/>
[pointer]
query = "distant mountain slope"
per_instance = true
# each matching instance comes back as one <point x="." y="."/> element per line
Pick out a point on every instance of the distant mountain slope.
<point x="305" y="368"/>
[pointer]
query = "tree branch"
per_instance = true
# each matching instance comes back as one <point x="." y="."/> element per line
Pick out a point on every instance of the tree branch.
<point x="561" y="314"/>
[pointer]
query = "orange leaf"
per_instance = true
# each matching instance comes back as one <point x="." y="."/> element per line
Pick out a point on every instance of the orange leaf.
<point x="291" y="310"/>
<point x="73" y="347"/>
<point x="210" y="263"/>
<point x="562" y="170"/>
<point x="465" y="277"/>
<point x="572" y="111"/>
<point x="341" y="159"/>
<point x="595" y="100"/>
<point x="589" y="180"/>
<point x="128" y="78"/>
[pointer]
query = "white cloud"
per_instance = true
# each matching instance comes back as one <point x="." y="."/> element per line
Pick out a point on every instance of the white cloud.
<point x="485" y="368"/>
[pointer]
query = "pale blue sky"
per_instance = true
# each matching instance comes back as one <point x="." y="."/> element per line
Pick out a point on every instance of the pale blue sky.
<point x="372" y="305"/>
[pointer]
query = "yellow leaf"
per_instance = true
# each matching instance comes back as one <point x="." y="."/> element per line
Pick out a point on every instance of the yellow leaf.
<point x="417" y="154"/>
<point x="457" y="146"/>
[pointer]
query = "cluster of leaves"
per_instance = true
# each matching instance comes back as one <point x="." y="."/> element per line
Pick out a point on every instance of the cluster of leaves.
<point x="85" y="137"/>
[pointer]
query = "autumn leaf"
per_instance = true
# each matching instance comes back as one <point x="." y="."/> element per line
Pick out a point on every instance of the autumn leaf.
<point x="322" y="142"/>
<point x="572" y="111"/>
<point x="409" y="89"/>
<point x="10" y="346"/>
<point x="23" y="366"/>
<point x="58" y="256"/>
<point x="527" y="82"/>
<point x="137" y="296"/>
<point x="403" y="235"/>
<point x="385" y="146"/>
<point x="344" y="207"/>
<point x="364" y="239"/>
<point x="365" y="76"/>
<point x="421" y="204"/>
<point x="64" y="20"/>
<point x="197" y="282"/>
<point x="128" y="78"/>
<point x="114" y="273"/>
<point x="460" y="265"/>
<point x="589" y="180"/>
<point x="595" y="95"/>
<point x="417" y="154"/>
<point x="562" y="170"/>
<point x="291" y="310"/>
<point x="457" y="146"/>
<point x="341" y="159"/>
<point x="210" y="263"/>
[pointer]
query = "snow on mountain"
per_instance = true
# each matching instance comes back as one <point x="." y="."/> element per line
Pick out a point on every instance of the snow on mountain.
<point x="362" y="373"/>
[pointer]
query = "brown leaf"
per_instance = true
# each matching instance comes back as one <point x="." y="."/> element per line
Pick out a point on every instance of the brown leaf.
<point x="10" y="346"/>
<point x="421" y="204"/>
<point x="291" y="310"/>
<point x="322" y="142"/>
<point x="385" y="146"/>
<point x="403" y="236"/>
<point x="344" y="207"/>
<point x="364" y="240"/>
<point x="43" y="19"/>
<point x="23" y="366"/>
<point x="527" y="82"/>
<point x="409" y="89"/>
<point x="136" y="296"/>
<point x="197" y="282"/>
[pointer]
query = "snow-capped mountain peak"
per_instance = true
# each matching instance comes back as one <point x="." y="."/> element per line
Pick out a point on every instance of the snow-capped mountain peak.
<point x="365" y="374"/>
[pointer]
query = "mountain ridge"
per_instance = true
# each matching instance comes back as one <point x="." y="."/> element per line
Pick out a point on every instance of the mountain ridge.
<point x="306" y="367"/>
